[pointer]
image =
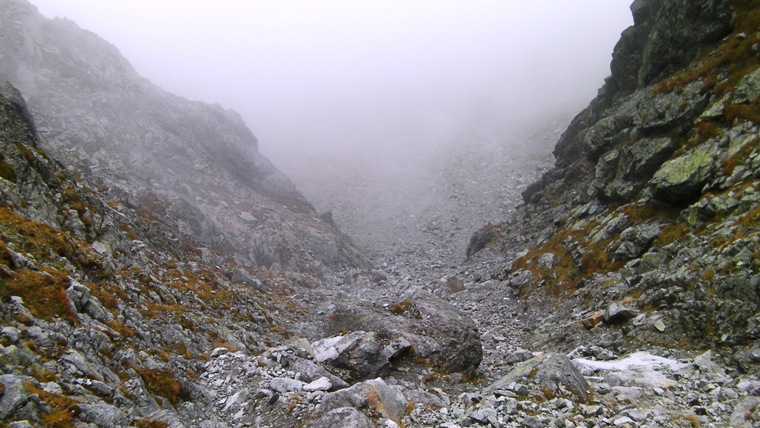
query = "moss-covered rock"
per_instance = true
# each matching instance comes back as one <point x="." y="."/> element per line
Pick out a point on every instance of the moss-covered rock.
<point x="684" y="177"/>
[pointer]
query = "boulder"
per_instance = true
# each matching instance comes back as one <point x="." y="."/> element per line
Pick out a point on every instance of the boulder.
<point x="311" y="372"/>
<point x="684" y="177"/>
<point x="746" y="413"/>
<point x="447" y="285"/>
<point x="386" y="399"/>
<point x="555" y="375"/>
<point x="435" y="331"/>
<point x="361" y="354"/>
<point x="616" y="314"/>
<point x="343" y="417"/>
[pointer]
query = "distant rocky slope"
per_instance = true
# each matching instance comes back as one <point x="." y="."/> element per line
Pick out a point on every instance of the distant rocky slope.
<point x="192" y="166"/>
<point x="651" y="210"/>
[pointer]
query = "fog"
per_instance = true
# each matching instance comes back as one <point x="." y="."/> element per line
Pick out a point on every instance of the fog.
<point x="364" y="103"/>
<point x="326" y="76"/>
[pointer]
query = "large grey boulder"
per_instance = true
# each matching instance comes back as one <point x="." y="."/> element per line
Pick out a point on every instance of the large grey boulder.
<point x="555" y="374"/>
<point x="343" y="417"/>
<point x="684" y="177"/>
<point x="437" y="332"/>
<point x="388" y="400"/>
<point x="362" y="355"/>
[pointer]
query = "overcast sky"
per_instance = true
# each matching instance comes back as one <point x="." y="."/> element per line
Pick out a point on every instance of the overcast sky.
<point x="311" y="73"/>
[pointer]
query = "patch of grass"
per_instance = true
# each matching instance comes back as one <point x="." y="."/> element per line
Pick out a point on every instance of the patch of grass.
<point x="149" y="423"/>
<point x="750" y="112"/>
<point x="63" y="410"/>
<point x="128" y="231"/>
<point x="163" y="383"/>
<point x="43" y="292"/>
<point x="6" y="170"/>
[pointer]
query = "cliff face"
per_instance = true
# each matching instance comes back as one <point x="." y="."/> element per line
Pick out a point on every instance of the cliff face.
<point x="654" y="198"/>
<point x="188" y="166"/>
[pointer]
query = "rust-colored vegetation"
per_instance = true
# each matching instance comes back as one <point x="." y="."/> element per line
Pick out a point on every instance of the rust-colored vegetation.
<point x="733" y="55"/>
<point x="163" y="383"/>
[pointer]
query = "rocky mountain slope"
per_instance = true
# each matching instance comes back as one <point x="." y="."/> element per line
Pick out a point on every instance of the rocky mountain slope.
<point x="193" y="166"/>
<point x="653" y="199"/>
<point x="622" y="292"/>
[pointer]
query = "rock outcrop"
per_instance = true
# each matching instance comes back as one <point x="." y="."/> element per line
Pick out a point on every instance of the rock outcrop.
<point x="190" y="166"/>
<point x="653" y="200"/>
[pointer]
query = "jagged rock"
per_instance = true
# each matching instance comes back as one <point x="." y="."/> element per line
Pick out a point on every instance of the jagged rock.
<point x="746" y="414"/>
<point x="321" y="384"/>
<point x="435" y="330"/>
<point x="593" y="320"/>
<point x="343" y="417"/>
<point x="359" y="352"/>
<point x="283" y="384"/>
<point x="553" y="372"/>
<point x="622" y="173"/>
<point x="311" y="372"/>
<point x="84" y="302"/>
<point x="14" y="395"/>
<point x="375" y="393"/>
<point x="448" y="285"/>
<point x="616" y="314"/>
<point x="103" y="415"/>
<point x="519" y="356"/>
<point x="485" y="415"/>
<point x="682" y="178"/>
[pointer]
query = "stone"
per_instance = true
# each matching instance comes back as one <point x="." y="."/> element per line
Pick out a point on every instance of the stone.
<point x="682" y="178"/>
<point x="623" y="421"/>
<point x="593" y="320"/>
<point x="359" y="353"/>
<point x="746" y="413"/>
<point x="375" y="393"/>
<point x="218" y="352"/>
<point x="705" y="363"/>
<point x="519" y="356"/>
<point x="484" y="415"/>
<point x="311" y="371"/>
<point x="14" y="395"/>
<point x="343" y="417"/>
<point x="103" y="415"/>
<point x="284" y="384"/>
<point x="10" y="334"/>
<point x="321" y="384"/>
<point x="553" y="372"/>
<point x="439" y="333"/>
<point x="617" y="314"/>
<point x="448" y="285"/>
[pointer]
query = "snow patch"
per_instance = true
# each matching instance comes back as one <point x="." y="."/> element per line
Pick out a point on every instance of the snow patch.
<point x="641" y="368"/>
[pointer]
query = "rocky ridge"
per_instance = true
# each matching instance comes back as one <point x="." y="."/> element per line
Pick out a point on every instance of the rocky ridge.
<point x="190" y="165"/>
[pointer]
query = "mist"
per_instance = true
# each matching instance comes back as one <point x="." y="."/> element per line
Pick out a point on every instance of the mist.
<point x="329" y="76"/>
<point x="372" y="99"/>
